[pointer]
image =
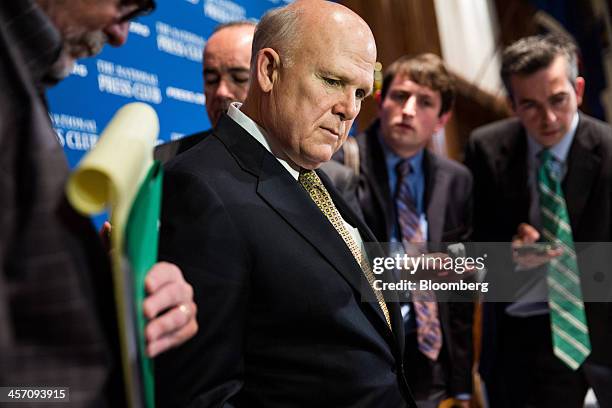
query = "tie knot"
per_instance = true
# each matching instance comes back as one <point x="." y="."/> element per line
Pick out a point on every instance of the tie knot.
<point x="550" y="164"/>
<point x="309" y="178"/>
<point x="545" y="156"/>
<point x="308" y="175"/>
<point x="403" y="168"/>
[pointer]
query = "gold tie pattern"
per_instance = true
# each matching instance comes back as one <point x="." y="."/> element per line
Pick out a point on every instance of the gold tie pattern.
<point x="317" y="191"/>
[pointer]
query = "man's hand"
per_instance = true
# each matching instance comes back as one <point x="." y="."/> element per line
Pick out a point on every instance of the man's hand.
<point x="444" y="275"/>
<point x="169" y="307"/>
<point x="105" y="233"/>
<point x="461" y="403"/>
<point x="526" y="235"/>
<point x="455" y="403"/>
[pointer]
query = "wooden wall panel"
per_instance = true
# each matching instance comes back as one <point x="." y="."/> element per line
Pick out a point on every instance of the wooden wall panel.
<point x="410" y="27"/>
<point x="399" y="27"/>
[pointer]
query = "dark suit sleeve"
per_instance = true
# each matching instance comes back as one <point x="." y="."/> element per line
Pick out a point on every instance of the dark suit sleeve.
<point x="462" y="354"/>
<point x="346" y="182"/>
<point x="167" y="151"/>
<point x="462" y="313"/>
<point x="476" y="162"/>
<point x="198" y="235"/>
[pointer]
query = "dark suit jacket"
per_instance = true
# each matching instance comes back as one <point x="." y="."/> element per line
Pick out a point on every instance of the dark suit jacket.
<point x="345" y="181"/>
<point x="57" y="315"/>
<point x="278" y="291"/>
<point x="166" y="151"/>
<point x="448" y="187"/>
<point x="497" y="156"/>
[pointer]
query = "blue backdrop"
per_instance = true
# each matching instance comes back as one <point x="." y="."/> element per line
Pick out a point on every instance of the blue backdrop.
<point x="161" y="64"/>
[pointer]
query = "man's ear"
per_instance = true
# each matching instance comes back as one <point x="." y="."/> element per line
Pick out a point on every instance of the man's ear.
<point x="267" y="68"/>
<point x="579" y="90"/>
<point x="510" y="103"/>
<point x="443" y="120"/>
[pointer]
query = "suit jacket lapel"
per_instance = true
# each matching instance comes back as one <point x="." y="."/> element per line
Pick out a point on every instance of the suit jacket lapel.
<point x="374" y="250"/>
<point x="512" y="162"/>
<point x="583" y="164"/>
<point x="284" y="194"/>
<point x="436" y="195"/>
<point x="247" y="151"/>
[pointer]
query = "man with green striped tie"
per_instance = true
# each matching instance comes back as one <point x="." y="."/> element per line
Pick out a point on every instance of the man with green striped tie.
<point x="544" y="180"/>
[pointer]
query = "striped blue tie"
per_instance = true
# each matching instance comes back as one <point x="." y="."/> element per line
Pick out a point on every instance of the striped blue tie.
<point x="407" y="214"/>
<point x="429" y="332"/>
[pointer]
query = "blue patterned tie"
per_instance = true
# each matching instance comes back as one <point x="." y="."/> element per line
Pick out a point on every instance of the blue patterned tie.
<point x="429" y="333"/>
<point x="407" y="214"/>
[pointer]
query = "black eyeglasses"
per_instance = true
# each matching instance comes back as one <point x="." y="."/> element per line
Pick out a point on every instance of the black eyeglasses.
<point x="137" y="8"/>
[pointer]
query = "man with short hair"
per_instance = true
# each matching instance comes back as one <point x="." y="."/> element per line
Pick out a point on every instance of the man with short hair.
<point x="290" y="312"/>
<point x="415" y="103"/>
<point x="226" y="60"/>
<point x="545" y="175"/>
<point x="58" y="324"/>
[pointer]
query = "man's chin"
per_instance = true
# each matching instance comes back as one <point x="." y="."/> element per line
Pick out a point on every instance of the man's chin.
<point x="549" y="139"/>
<point x="314" y="162"/>
<point x="311" y="166"/>
<point x="62" y="67"/>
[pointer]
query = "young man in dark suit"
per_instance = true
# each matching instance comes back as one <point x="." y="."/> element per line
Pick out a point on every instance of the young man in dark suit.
<point x="415" y="102"/>
<point x="291" y="315"/>
<point x="545" y="175"/>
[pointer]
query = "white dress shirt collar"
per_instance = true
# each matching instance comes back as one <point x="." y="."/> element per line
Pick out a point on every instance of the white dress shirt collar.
<point x="258" y="133"/>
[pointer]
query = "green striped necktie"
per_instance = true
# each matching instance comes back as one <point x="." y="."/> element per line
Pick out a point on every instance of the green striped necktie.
<point x="570" y="334"/>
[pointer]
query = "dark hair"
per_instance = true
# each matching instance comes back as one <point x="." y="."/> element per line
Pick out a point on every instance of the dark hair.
<point x="426" y="70"/>
<point x="143" y="8"/>
<point x="531" y="54"/>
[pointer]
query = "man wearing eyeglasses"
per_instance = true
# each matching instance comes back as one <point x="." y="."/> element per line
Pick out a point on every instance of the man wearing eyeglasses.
<point x="545" y="175"/>
<point x="57" y="317"/>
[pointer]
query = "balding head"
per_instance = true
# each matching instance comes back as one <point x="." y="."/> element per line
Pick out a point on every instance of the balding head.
<point x="285" y="29"/>
<point x="313" y="65"/>
<point x="226" y="67"/>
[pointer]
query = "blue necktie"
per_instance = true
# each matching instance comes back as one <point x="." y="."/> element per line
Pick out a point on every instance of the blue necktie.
<point x="429" y="333"/>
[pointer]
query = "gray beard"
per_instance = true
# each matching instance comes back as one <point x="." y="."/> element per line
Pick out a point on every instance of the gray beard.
<point x="61" y="68"/>
<point x="83" y="46"/>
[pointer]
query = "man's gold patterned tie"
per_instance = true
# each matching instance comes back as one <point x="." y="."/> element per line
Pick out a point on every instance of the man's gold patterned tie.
<point x="315" y="188"/>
